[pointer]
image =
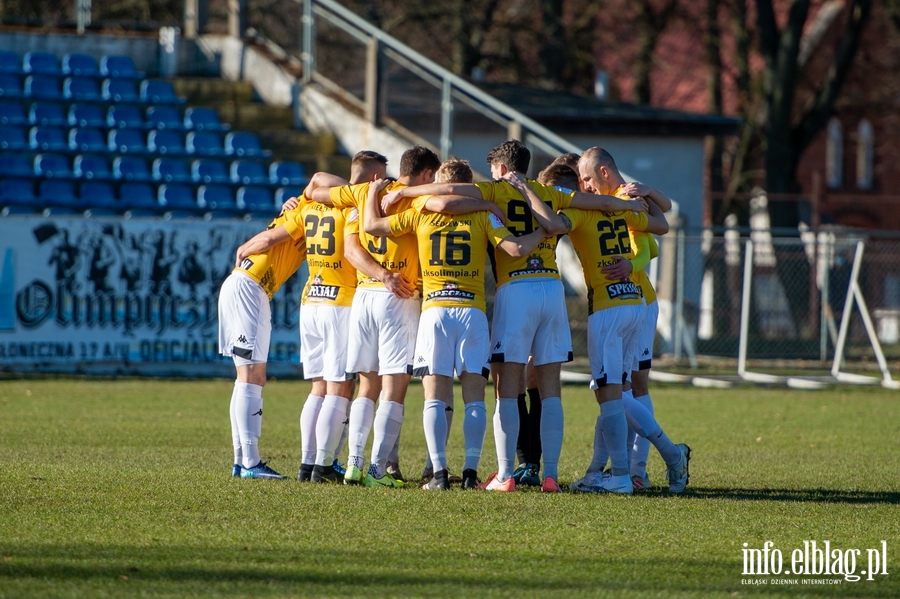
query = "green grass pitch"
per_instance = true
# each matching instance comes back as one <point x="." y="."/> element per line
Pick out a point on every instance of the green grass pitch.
<point x="115" y="488"/>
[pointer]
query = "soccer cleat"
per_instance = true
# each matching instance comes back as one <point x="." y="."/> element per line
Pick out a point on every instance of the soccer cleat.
<point x="439" y="482"/>
<point x="305" y="473"/>
<point x="385" y="481"/>
<point x="678" y="475"/>
<point x="261" y="471"/>
<point x="532" y="477"/>
<point x="236" y="470"/>
<point x="338" y="467"/>
<point x="453" y="478"/>
<point x="640" y="483"/>
<point x="393" y="468"/>
<point x="427" y="473"/>
<point x="325" y="474"/>
<point x="519" y="472"/>
<point x="494" y="484"/>
<point x="470" y="479"/>
<point x="620" y="485"/>
<point x="588" y="481"/>
<point x="550" y="486"/>
<point x="353" y="476"/>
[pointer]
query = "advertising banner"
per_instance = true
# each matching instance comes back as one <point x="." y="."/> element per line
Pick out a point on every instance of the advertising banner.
<point x="126" y="296"/>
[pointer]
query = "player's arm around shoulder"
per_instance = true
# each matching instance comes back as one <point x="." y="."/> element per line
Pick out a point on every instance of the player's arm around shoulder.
<point x="374" y="221"/>
<point x="262" y="242"/>
<point x="517" y="247"/>
<point x="544" y="214"/>
<point x="319" y="187"/>
<point x="654" y="221"/>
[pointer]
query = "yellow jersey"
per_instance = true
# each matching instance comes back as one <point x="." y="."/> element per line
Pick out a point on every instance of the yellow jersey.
<point x="597" y="237"/>
<point x="453" y="254"/>
<point x="276" y="265"/>
<point x="639" y="246"/>
<point x="332" y="279"/>
<point x="397" y="254"/>
<point x="520" y="221"/>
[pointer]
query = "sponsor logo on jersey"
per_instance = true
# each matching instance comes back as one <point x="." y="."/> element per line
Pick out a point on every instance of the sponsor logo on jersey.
<point x="623" y="290"/>
<point x="452" y="292"/>
<point x="534" y="266"/>
<point x="242" y="339"/>
<point x="319" y="291"/>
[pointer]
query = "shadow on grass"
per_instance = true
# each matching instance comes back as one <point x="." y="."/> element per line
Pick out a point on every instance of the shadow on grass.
<point x="805" y="495"/>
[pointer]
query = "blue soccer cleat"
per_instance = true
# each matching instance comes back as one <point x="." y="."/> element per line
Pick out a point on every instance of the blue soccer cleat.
<point x="261" y="471"/>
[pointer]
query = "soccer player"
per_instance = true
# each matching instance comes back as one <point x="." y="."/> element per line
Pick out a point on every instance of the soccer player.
<point x="262" y="265"/>
<point x="453" y="336"/>
<point x="529" y="309"/>
<point x="334" y="252"/>
<point x="382" y="327"/>
<point x="616" y="309"/>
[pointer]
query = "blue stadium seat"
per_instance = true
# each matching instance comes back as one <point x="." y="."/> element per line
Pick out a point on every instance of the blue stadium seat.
<point x="248" y="172"/>
<point x="255" y="199"/>
<point x="86" y="115"/>
<point x="92" y="167"/>
<point x="131" y="168"/>
<point x="47" y="139"/>
<point x="173" y="196"/>
<point x="206" y="170"/>
<point x="10" y="86"/>
<point x="47" y="114"/>
<point x="216" y="197"/>
<point x="204" y="143"/>
<point x="287" y="173"/>
<point x="242" y="143"/>
<point x="166" y="142"/>
<point x="81" y="89"/>
<point x="9" y="63"/>
<point x="119" y="90"/>
<point x="80" y="65"/>
<point x="20" y="191"/>
<point x="12" y="138"/>
<point x="171" y="170"/>
<point x="12" y="113"/>
<point x="164" y="117"/>
<point x="41" y="63"/>
<point x="122" y="117"/>
<point x="52" y="166"/>
<point x="58" y="193"/>
<point x="119" y="66"/>
<point x="87" y="139"/>
<point x="126" y="140"/>
<point x="203" y="119"/>
<point x="283" y="194"/>
<point x="98" y="194"/>
<point x="15" y="165"/>
<point x="140" y="196"/>
<point x="157" y="91"/>
<point x="43" y="87"/>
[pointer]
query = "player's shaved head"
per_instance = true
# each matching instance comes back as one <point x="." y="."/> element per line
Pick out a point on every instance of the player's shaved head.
<point x="455" y="170"/>
<point x="367" y="166"/>
<point x="595" y="157"/>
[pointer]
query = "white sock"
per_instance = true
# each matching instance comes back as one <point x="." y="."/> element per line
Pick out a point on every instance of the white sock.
<point x="362" y="413"/>
<point x="641" y="448"/>
<point x="388" y="420"/>
<point x="330" y="427"/>
<point x="601" y="456"/>
<point x="632" y="434"/>
<point x="435" y="423"/>
<point x="344" y="432"/>
<point x="506" y="434"/>
<point x="235" y="432"/>
<point x="308" y="417"/>
<point x="448" y="412"/>
<point x="474" y="427"/>
<point x="552" y="424"/>
<point x="248" y="414"/>
<point x="394" y="456"/>
<point x="643" y="422"/>
<point x="615" y="435"/>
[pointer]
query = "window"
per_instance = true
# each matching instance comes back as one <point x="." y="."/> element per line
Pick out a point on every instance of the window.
<point x="864" y="154"/>
<point x="834" y="154"/>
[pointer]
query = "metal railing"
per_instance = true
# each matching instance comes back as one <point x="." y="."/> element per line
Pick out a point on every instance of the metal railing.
<point x="455" y="92"/>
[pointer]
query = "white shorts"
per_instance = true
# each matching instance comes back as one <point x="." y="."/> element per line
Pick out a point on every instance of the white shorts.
<point x="643" y="349"/>
<point x="530" y="319"/>
<point x="324" y="334"/>
<point x="382" y="332"/>
<point x="452" y="341"/>
<point x="611" y="335"/>
<point x="245" y="320"/>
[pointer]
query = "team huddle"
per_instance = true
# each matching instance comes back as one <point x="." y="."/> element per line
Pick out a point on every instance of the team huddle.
<point x="396" y="290"/>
